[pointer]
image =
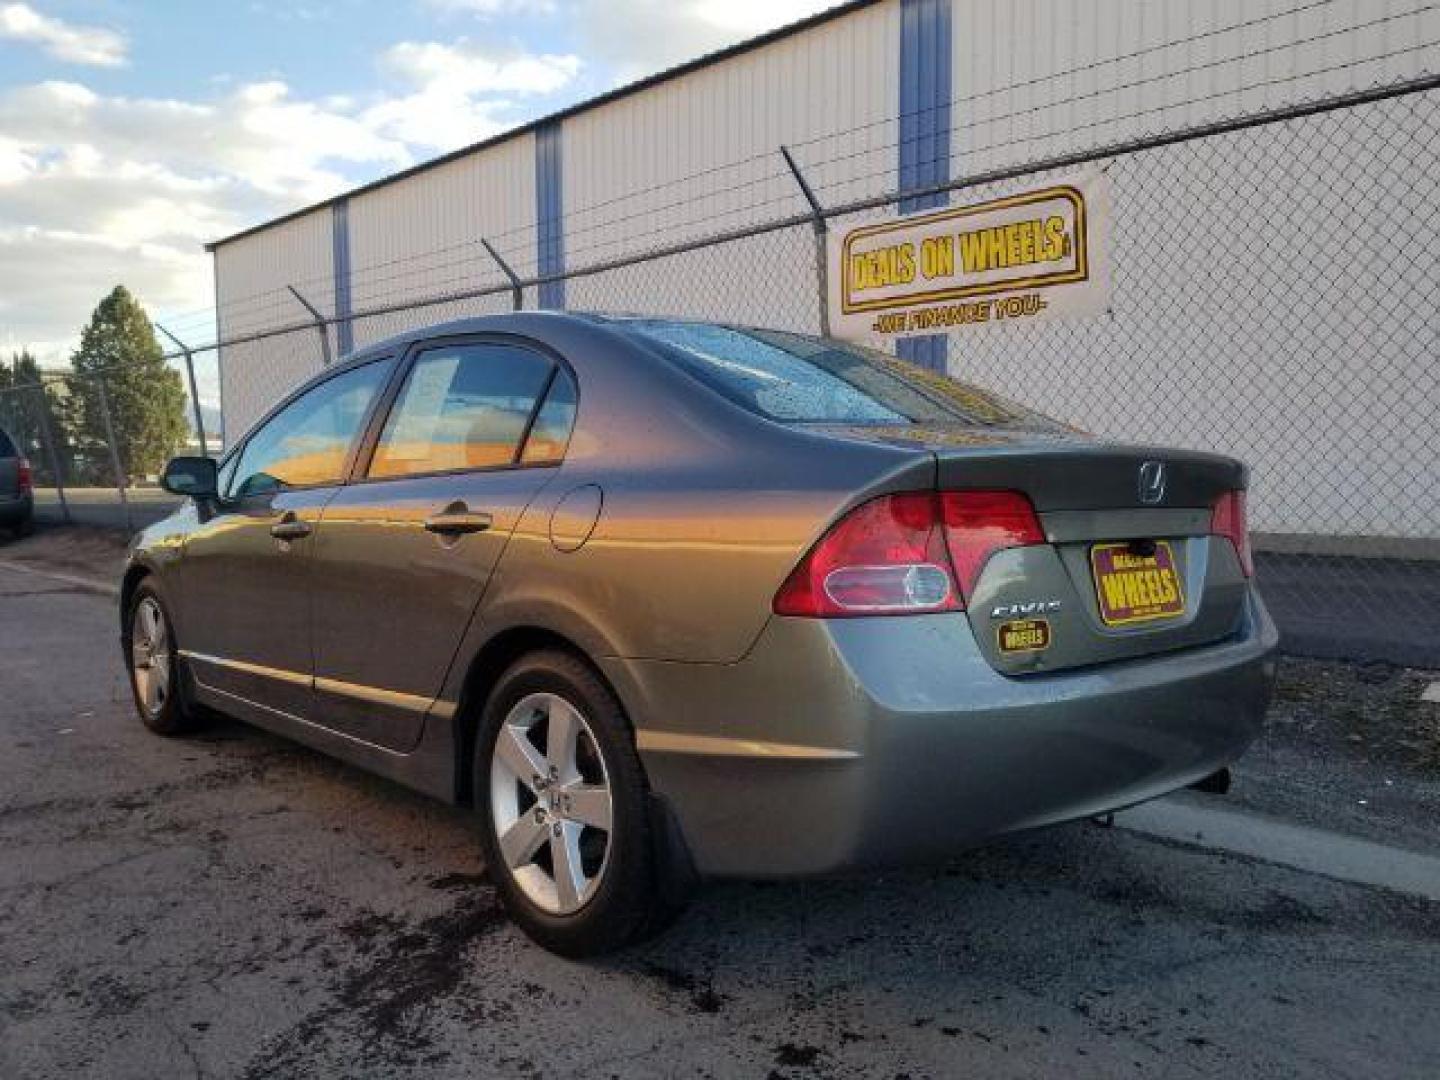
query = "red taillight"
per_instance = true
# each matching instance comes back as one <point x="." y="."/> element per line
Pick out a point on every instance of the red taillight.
<point x="27" y="479"/>
<point x="899" y="554"/>
<point x="885" y="557"/>
<point x="1228" y="520"/>
<point x="980" y="523"/>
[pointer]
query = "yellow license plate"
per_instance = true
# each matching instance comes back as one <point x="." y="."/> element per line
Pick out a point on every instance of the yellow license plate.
<point x="1134" y="588"/>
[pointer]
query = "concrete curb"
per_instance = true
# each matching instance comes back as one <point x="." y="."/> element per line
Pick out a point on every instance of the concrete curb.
<point x="1313" y="851"/>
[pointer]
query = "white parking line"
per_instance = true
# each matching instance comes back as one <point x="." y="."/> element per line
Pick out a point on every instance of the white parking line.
<point x="105" y="588"/>
<point x="1312" y="850"/>
<point x="1431" y="693"/>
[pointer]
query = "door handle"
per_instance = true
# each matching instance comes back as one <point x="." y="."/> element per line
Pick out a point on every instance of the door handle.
<point x="290" y="528"/>
<point x="457" y="520"/>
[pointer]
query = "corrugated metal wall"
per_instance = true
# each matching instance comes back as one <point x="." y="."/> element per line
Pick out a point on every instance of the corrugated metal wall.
<point x="698" y="154"/>
<point x="421" y="237"/>
<point x="1035" y="78"/>
<point x="1216" y="366"/>
<point x="251" y="295"/>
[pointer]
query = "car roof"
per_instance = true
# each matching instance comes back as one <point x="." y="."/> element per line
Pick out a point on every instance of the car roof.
<point x="534" y="323"/>
<point x="525" y="322"/>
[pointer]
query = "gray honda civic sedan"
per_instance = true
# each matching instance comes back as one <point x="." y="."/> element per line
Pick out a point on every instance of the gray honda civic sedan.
<point x="664" y="600"/>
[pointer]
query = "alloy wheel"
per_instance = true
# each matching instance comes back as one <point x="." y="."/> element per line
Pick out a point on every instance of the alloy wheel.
<point x="550" y="803"/>
<point x="150" y="660"/>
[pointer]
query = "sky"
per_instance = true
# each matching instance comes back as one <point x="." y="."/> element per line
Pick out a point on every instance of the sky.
<point x="132" y="132"/>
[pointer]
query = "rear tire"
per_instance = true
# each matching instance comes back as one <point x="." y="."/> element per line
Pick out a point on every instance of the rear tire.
<point x="574" y="887"/>
<point x="153" y="662"/>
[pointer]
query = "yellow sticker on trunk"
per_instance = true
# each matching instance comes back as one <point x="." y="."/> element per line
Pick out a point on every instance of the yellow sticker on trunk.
<point x="1024" y="635"/>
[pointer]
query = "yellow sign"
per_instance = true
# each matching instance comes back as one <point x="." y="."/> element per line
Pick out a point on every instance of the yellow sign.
<point x="1136" y="586"/>
<point x="1023" y="635"/>
<point x="1033" y="254"/>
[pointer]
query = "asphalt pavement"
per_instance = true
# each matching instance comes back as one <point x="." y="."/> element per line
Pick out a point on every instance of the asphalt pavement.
<point x="230" y="905"/>
<point x="1355" y="609"/>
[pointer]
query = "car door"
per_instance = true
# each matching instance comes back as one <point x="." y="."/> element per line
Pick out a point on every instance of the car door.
<point x="403" y="553"/>
<point x="246" y="608"/>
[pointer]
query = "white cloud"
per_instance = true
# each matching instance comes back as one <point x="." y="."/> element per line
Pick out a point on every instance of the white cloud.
<point x="74" y="44"/>
<point x="97" y="189"/>
<point x="465" y="67"/>
<point x="642" y="36"/>
<point x="452" y="90"/>
<point x="486" y="9"/>
<point x="747" y="17"/>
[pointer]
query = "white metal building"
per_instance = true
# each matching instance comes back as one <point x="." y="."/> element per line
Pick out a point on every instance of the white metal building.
<point x="881" y="95"/>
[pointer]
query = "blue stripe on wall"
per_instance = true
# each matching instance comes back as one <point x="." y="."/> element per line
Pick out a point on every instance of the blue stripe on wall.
<point x="925" y="62"/>
<point x="340" y="251"/>
<point x="550" y="213"/>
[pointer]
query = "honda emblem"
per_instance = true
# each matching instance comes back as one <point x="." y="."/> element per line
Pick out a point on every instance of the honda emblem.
<point x="1152" y="482"/>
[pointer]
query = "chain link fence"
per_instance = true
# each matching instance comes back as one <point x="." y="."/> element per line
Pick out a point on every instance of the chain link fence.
<point x="95" y="448"/>
<point x="1275" y="296"/>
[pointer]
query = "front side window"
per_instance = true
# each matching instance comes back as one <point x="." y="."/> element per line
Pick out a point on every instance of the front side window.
<point x="306" y="443"/>
<point x="463" y="407"/>
<point x="226" y="476"/>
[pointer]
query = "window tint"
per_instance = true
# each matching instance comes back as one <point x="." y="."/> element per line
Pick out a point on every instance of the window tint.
<point x="551" y="432"/>
<point x="307" y="442"/>
<point x="463" y="407"/>
<point x="798" y="379"/>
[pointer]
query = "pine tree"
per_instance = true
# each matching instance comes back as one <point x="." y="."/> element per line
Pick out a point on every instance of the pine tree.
<point x="146" y="397"/>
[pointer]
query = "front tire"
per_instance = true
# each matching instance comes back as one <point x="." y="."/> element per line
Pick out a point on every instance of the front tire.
<point x="563" y="800"/>
<point x="153" y="663"/>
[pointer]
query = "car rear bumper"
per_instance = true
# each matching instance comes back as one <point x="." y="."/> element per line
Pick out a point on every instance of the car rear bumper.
<point x="842" y="744"/>
<point x="16" y="510"/>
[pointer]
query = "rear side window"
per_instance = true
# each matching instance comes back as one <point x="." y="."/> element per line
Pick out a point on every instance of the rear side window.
<point x="7" y="448"/>
<point x="307" y="442"/>
<point x="793" y="378"/>
<point x="550" y="434"/>
<point x="462" y="407"/>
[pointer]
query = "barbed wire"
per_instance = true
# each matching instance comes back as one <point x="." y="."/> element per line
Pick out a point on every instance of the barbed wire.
<point x="273" y="300"/>
<point x="754" y="210"/>
<point x="1097" y="153"/>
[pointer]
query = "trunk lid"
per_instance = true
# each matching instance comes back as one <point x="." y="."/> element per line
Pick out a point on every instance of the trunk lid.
<point x="1129" y="567"/>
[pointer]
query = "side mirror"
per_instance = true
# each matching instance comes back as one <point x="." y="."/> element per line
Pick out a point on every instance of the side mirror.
<point x="195" y="477"/>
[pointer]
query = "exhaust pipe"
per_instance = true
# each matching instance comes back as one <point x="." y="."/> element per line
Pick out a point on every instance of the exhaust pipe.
<point x="1217" y="783"/>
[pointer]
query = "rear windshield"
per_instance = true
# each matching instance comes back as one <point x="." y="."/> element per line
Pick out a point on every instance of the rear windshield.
<point x="798" y="379"/>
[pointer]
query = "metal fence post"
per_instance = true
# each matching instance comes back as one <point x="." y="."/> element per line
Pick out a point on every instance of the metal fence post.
<point x="516" y="292"/>
<point x="822" y="249"/>
<point x="319" y="323"/>
<point x="47" y="436"/>
<point x="194" y="391"/>
<point x="120" y="478"/>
